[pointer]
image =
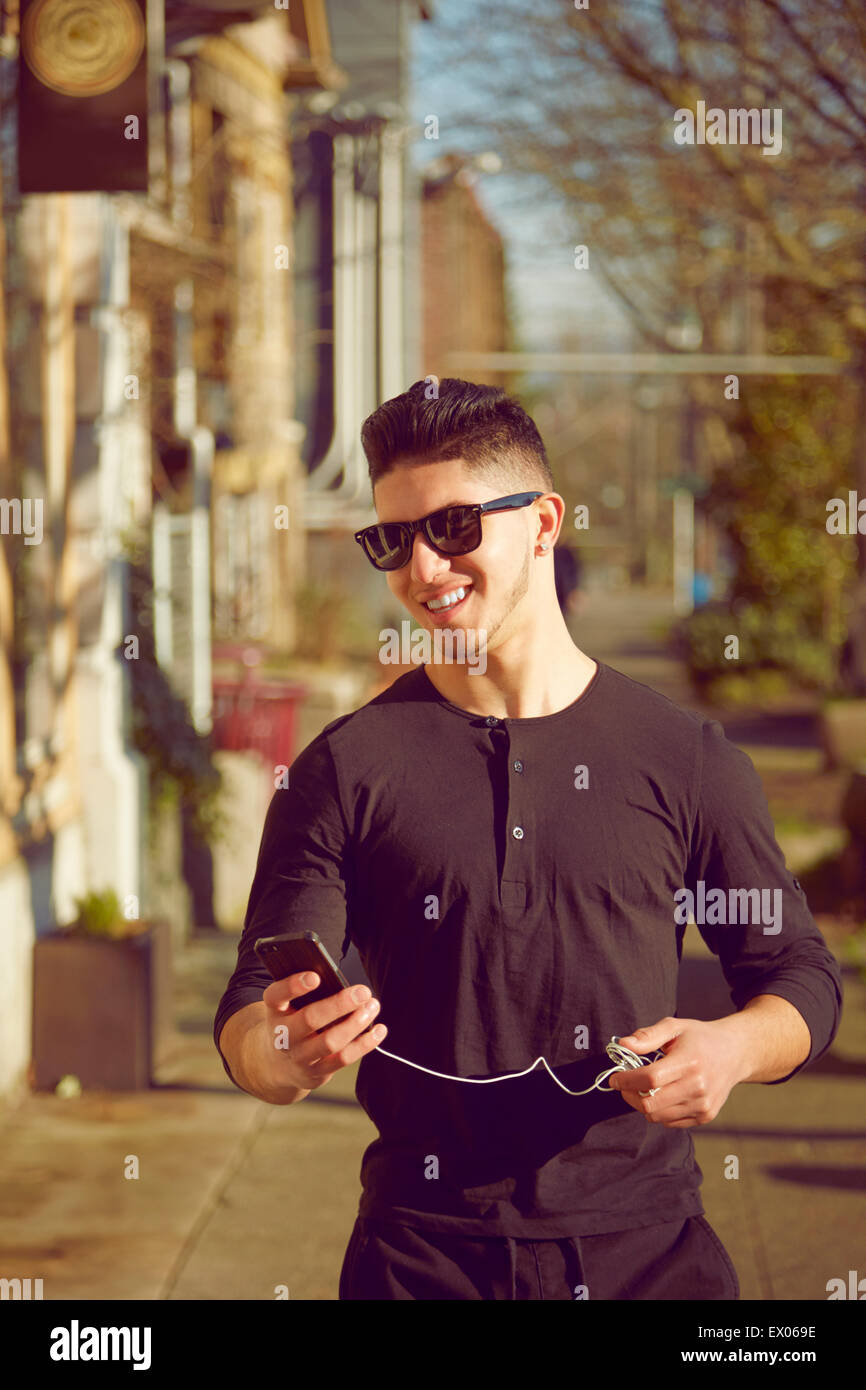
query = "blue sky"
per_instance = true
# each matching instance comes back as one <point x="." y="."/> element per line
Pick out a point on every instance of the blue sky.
<point x="548" y="292"/>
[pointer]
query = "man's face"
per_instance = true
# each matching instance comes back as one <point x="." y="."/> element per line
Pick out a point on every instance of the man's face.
<point x="496" y="577"/>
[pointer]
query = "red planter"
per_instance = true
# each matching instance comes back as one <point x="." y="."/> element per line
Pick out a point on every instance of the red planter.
<point x="257" y="717"/>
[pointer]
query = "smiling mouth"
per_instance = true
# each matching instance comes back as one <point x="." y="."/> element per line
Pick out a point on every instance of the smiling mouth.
<point x="458" y="597"/>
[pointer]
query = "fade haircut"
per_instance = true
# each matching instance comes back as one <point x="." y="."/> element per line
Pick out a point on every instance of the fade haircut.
<point x="480" y="424"/>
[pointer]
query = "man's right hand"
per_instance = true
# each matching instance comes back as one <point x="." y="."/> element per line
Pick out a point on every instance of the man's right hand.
<point x="318" y="1046"/>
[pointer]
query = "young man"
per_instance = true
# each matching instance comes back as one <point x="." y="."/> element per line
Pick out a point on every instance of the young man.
<point x="508" y="848"/>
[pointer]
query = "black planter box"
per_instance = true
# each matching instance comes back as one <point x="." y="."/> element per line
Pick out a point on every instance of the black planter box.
<point x="101" y="1008"/>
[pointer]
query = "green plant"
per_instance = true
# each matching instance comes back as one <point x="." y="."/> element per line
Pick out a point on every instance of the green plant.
<point x="854" y="950"/>
<point x="794" y="442"/>
<point x="773" y="642"/>
<point x="99" y="914"/>
<point x="331" y="624"/>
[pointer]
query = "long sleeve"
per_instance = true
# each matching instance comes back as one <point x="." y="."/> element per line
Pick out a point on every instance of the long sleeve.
<point x="778" y="949"/>
<point x="301" y="877"/>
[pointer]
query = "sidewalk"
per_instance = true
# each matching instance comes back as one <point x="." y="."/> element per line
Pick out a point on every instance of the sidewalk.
<point x="236" y="1198"/>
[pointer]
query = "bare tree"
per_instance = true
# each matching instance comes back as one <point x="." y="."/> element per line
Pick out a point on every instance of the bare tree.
<point x="763" y="250"/>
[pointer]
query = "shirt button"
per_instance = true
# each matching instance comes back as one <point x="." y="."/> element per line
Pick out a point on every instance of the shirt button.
<point x="517" y="832"/>
<point x="491" y="720"/>
<point x="518" y="766"/>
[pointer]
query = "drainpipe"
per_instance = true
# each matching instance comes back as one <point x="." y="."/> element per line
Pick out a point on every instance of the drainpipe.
<point x="345" y="317"/>
<point x="180" y="124"/>
<point x="391" y="251"/>
<point x="357" y="253"/>
<point x="185" y="416"/>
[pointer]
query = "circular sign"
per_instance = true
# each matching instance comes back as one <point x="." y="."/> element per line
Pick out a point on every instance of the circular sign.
<point x="82" y="48"/>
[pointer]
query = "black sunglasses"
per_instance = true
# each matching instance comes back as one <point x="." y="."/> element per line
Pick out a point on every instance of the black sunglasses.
<point x="451" y="531"/>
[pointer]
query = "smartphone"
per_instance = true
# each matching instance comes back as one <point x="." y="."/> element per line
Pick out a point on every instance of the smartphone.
<point x="289" y="955"/>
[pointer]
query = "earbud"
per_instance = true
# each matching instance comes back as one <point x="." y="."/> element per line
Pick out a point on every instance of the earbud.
<point x="627" y="1060"/>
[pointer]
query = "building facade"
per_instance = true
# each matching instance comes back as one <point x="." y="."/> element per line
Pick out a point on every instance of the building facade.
<point x="146" y="410"/>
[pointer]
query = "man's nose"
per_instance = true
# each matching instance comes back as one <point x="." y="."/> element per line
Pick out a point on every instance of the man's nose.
<point x="426" y="562"/>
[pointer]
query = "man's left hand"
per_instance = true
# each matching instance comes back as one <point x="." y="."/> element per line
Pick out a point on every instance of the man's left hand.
<point x="703" y="1062"/>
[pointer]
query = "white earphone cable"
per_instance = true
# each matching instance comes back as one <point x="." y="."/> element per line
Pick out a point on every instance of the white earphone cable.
<point x="623" y="1057"/>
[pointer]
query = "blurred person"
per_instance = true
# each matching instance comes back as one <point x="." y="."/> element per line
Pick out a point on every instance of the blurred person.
<point x="702" y="588"/>
<point x="567" y="574"/>
<point x="504" y="849"/>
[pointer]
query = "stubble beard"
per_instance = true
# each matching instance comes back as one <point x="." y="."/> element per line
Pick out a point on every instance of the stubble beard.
<point x="519" y="588"/>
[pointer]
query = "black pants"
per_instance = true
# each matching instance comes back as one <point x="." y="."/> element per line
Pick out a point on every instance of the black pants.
<point x="682" y="1259"/>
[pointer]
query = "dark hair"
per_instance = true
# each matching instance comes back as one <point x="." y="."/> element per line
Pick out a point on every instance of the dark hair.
<point x="567" y="570"/>
<point x="480" y="424"/>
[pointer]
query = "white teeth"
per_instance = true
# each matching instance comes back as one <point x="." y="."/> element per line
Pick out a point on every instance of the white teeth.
<point x="447" y="600"/>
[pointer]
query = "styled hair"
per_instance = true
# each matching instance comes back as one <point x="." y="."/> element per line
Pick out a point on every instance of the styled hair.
<point x="480" y="424"/>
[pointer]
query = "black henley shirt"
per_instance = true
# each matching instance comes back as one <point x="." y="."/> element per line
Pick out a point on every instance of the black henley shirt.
<point x="503" y="900"/>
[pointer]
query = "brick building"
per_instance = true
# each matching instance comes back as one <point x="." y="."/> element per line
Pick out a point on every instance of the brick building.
<point x="463" y="271"/>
